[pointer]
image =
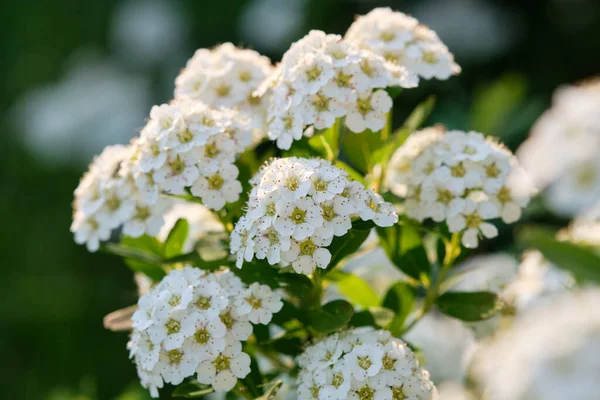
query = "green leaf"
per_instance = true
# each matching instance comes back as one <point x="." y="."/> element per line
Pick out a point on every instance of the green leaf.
<point x="378" y="317"/>
<point x="258" y="271"/>
<point x="582" y="262"/>
<point x="143" y="254"/>
<point x="400" y="298"/>
<point x="287" y="313"/>
<point x="496" y="103"/>
<point x="468" y="306"/>
<point x="331" y="317"/>
<point x="355" y="289"/>
<point x="296" y="284"/>
<point x="358" y="149"/>
<point x="291" y="346"/>
<point x="404" y="247"/>
<point x="192" y="389"/>
<point x="419" y="114"/>
<point x="327" y="142"/>
<point x="176" y="239"/>
<point x="354" y="174"/>
<point x="341" y="246"/>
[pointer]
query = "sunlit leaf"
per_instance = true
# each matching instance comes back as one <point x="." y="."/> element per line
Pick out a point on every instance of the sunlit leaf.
<point x="176" y="239"/>
<point x="582" y="262"/>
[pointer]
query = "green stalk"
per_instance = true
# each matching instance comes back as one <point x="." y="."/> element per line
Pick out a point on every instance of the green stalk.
<point x="452" y="252"/>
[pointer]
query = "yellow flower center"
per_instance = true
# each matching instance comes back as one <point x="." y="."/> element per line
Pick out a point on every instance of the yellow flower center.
<point x="223" y="90"/>
<point x="387" y="36"/>
<point x="174" y="356"/>
<point x="314" y="73"/>
<point x="327" y="212"/>
<point x="473" y="220"/>
<point x="202" y="336"/>
<point x="364" y="362"/>
<point x="173" y="326"/>
<point x="363" y="105"/>
<point x="215" y="182"/>
<point x="298" y="216"/>
<point x="458" y="171"/>
<point x="221" y="363"/>
<point x="307" y="247"/>
<point x="203" y="303"/>
<point x="245" y="76"/>
<point x="321" y="103"/>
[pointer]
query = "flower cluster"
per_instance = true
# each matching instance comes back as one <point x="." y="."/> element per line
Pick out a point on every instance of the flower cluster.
<point x="189" y="145"/>
<point x="562" y="153"/>
<point x="226" y="76"/>
<point x="322" y="78"/>
<point x="193" y="322"/>
<point x="550" y="352"/>
<point x="296" y="207"/>
<point x="362" y="363"/>
<point x="462" y="178"/>
<point x="108" y="197"/>
<point x="401" y="40"/>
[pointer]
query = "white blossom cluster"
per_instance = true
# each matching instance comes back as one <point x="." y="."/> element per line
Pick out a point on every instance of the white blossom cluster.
<point x="193" y="322"/>
<point x="227" y="77"/>
<point x="459" y="177"/>
<point x="401" y="40"/>
<point x="296" y="207"/>
<point x="362" y="364"/>
<point x="108" y="197"/>
<point x="322" y="78"/>
<point x="551" y="352"/>
<point x="562" y="154"/>
<point x="189" y="145"/>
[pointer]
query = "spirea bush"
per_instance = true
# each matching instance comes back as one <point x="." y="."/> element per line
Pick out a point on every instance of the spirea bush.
<point x="246" y="202"/>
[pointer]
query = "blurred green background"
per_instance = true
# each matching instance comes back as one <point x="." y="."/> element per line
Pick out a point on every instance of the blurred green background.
<point x="79" y="75"/>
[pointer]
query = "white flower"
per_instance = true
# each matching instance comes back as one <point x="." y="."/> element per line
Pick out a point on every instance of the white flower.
<point x="179" y="171"/>
<point x="362" y="363"/>
<point x="89" y="231"/>
<point x="147" y="219"/>
<point x="460" y="178"/>
<point x="369" y="111"/>
<point x="218" y="188"/>
<point x="322" y="78"/>
<point x="371" y="388"/>
<point x="550" y="352"/>
<point x="320" y="110"/>
<point x="222" y="369"/>
<point x="109" y="196"/>
<point x="175" y="365"/>
<point x="472" y="219"/>
<point x="308" y="254"/>
<point x="401" y="40"/>
<point x="194" y="322"/>
<point x="238" y="326"/>
<point x="208" y="337"/>
<point x="299" y="219"/>
<point x="210" y="298"/>
<point x="312" y="72"/>
<point x="562" y="141"/>
<point x="286" y="128"/>
<point x="336" y="217"/>
<point x="296" y="207"/>
<point x="171" y="330"/>
<point x="226" y="76"/>
<point x="259" y="302"/>
<point x="378" y="210"/>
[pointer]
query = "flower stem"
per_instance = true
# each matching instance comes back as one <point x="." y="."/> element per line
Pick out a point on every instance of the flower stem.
<point x="452" y="252"/>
